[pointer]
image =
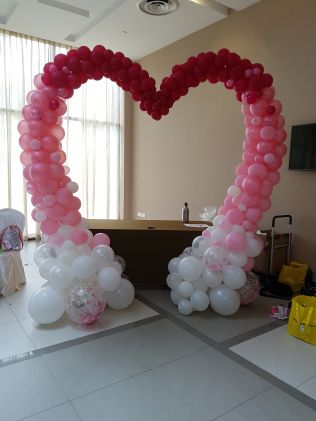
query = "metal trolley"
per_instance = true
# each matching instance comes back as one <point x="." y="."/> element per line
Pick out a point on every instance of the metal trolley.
<point x="270" y="285"/>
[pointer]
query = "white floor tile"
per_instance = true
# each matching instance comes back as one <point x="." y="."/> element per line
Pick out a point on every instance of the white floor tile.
<point x="93" y="365"/>
<point x="146" y="397"/>
<point x="64" y="412"/>
<point x="309" y="387"/>
<point x="273" y="404"/>
<point x="19" y="301"/>
<point x="27" y="388"/>
<point x="6" y="314"/>
<point x="159" y="342"/>
<point x="61" y="331"/>
<point x="219" y="328"/>
<point x="136" y="311"/>
<point x="211" y="382"/>
<point x="287" y="358"/>
<point x="13" y="340"/>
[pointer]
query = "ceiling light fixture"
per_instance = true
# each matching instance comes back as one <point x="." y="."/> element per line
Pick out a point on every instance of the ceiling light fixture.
<point x="157" y="7"/>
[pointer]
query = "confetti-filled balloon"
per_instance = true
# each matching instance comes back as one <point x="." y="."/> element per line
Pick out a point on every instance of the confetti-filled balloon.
<point x="85" y="304"/>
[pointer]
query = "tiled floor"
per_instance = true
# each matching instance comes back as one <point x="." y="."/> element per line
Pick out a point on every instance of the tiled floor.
<point x="149" y="363"/>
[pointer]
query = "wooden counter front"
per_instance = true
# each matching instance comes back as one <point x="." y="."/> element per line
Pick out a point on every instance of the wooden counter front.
<point x="147" y="246"/>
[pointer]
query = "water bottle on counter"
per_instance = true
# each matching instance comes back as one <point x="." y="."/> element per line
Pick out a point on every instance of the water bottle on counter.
<point x="185" y="213"/>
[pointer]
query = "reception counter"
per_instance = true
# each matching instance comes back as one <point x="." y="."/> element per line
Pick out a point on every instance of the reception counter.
<point x="147" y="246"/>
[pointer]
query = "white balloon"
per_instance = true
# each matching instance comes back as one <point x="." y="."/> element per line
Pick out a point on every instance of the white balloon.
<point x="122" y="297"/>
<point x="72" y="186"/>
<point x="109" y="279"/>
<point x="190" y="268"/>
<point x="199" y="300"/>
<point x="46" y="305"/>
<point x="44" y="252"/>
<point x="234" y="191"/>
<point x="200" y="285"/>
<point x="218" y="219"/>
<point x="186" y="288"/>
<point x="117" y="267"/>
<point x="103" y="256"/>
<point x="173" y="280"/>
<point x="238" y="259"/>
<point x="84" y="249"/>
<point x="185" y="307"/>
<point x="83" y="267"/>
<point x="173" y="265"/>
<point x="199" y="246"/>
<point x="65" y="231"/>
<point x="175" y="296"/>
<point x="234" y="277"/>
<point x="224" y="300"/>
<point x="212" y="279"/>
<point x="46" y="266"/>
<point x="253" y="247"/>
<point x="218" y="235"/>
<point x="238" y="228"/>
<point x="60" y="277"/>
<point x="68" y="245"/>
<point x="67" y="257"/>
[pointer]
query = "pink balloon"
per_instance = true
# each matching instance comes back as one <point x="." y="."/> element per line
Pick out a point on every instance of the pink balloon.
<point x="235" y="216"/>
<point x="239" y="179"/>
<point x="266" y="147"/>
<point x="257" y="170"/>
<point x="49" y="227"/>
<point x="26" y="158"/>
<point x="63" y="196"/>
<point x="55" y="212"/>
<point x="267" y="133"/>
<point x="258" y="108"/>
<point x="38" y="81"/>
<point x="253" y="215"/>
<point x="48" y="187"/>
<point x="79" y="237"/>
<point x="264" y="204"/>
<point x="251" y="185"/>
<point x="280" y="135"/>
<point x="23" y="127"/>
<point x="249" y="226"/>
<point x="25" y="142"/>
<point x="39" y="99"/>
<point x="49" y="143"/>
<point x="39" y="156"/>
<point x="57" y="171"/>
<point x="56" y="131"/>
<point x="49" y="199"/>
<point x="235" y="241"/>
<point x="268" y="93"/>
<point x="75" y="203"/>
<point x="100" y="239"/>
<point x="72" y="217"/>
<point x="242" y="169"/>
<point x="39" y="172"/>
<point x="274" y="177"/>
<point x="249" y="200"/>
<point x="253" y="134"/>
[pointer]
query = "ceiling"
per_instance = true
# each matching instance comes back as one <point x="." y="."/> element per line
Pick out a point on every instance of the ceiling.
<point x="117" y="24"/>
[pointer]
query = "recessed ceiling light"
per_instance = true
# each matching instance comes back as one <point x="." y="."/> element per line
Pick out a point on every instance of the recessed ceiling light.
<point x="157" y="7"/>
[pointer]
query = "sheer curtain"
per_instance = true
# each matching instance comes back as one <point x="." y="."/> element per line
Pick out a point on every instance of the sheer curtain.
<point x="93" y="126"/>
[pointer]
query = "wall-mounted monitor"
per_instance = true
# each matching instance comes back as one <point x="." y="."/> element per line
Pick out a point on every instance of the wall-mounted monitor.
<point x="303" y="148"/>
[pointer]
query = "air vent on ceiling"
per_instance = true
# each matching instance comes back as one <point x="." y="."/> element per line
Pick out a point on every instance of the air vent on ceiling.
<point x="157" y="7"/>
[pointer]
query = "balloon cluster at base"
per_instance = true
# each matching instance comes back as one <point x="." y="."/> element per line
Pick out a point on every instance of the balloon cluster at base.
<point x="80" y="280"/>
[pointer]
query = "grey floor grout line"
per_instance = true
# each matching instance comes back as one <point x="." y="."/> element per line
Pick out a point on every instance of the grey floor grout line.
<point x="240" y="404"/>
<point x="218" y="346"/>
<point x="41" y="412"/>
<point x="77" y="341"/>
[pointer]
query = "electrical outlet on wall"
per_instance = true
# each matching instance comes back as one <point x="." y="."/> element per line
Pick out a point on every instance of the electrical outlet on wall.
<point x="141" y="214"/>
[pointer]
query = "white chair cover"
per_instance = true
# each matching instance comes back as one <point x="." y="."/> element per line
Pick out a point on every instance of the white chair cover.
<point x="11" y="217"/>
<point x="12" y="275"/>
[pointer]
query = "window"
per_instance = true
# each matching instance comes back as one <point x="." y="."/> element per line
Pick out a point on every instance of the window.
<point x="93" y="125"/>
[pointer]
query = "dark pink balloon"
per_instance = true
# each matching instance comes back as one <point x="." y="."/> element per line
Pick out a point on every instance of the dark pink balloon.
<point x="49" y="226"/>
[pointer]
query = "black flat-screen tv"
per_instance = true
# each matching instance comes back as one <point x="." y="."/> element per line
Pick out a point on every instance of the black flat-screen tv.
<point x="303" y="148"/>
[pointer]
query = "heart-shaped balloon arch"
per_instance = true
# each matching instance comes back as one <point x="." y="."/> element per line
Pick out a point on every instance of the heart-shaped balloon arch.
<point x="81" y="270"/>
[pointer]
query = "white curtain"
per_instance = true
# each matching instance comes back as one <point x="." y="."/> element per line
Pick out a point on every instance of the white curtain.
<point x="93" y="126"/>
